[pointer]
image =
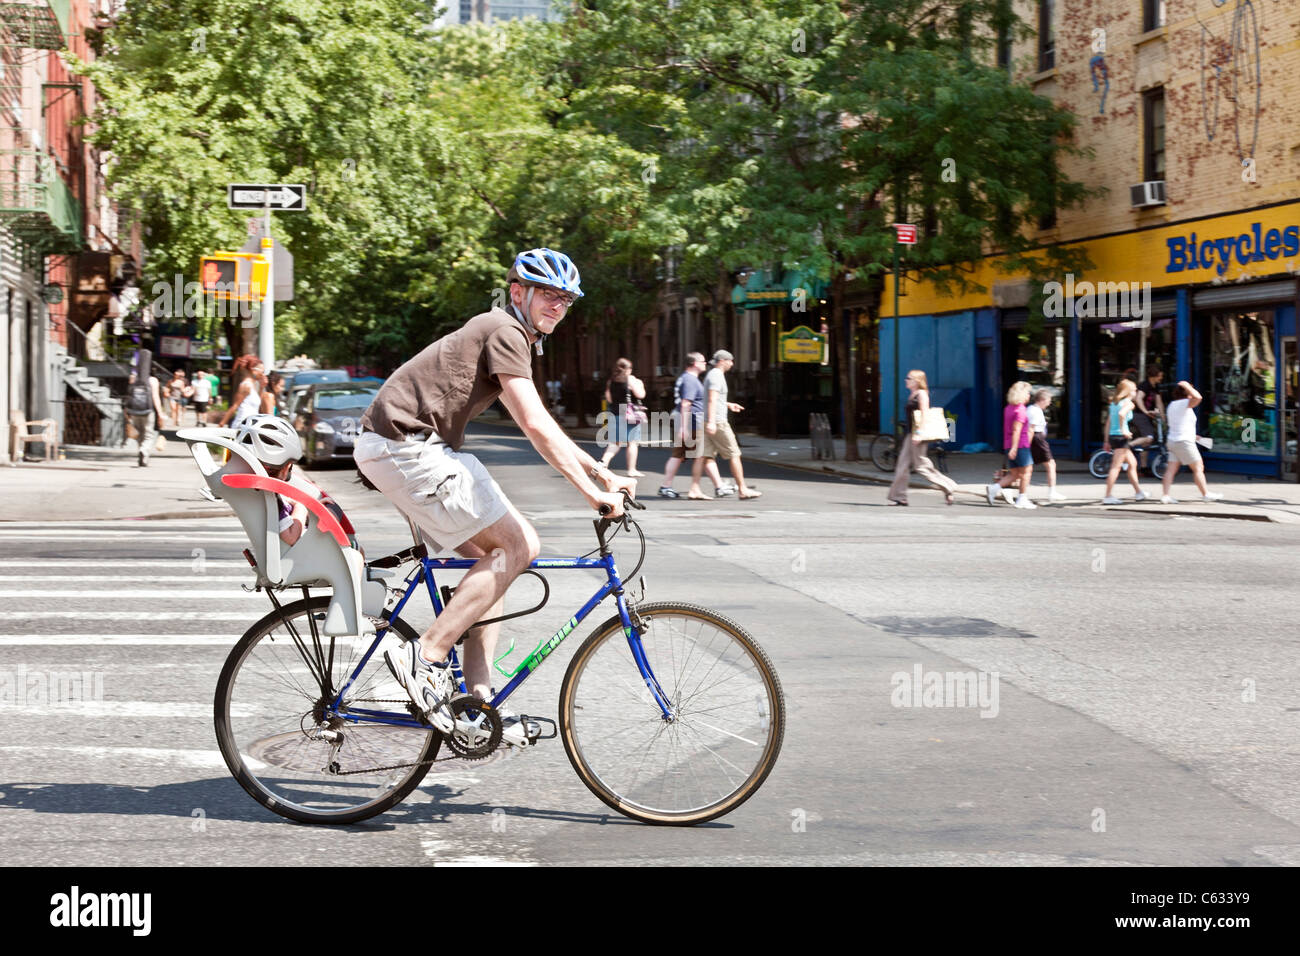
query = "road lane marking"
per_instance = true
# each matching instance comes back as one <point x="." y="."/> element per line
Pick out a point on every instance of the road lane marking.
<point x="125" y="615"/>
<point x="122" y="563"/>
<point x="111" y="578"/>
<point x="61" y="534"/>
<point x="202" y="759"/>
<point x="126" y="640"/>
<point x="160" y="595"/>
<point x="116" y="708"/>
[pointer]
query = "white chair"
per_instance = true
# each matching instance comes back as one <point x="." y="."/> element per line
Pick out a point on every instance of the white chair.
<point x="325" y="555"/>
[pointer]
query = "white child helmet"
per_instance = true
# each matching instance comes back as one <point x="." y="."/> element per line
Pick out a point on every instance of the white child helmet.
<point x="272" y="440"/>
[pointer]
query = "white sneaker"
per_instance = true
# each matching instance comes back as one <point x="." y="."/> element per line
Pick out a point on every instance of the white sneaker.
<point x="1024" y="502"/>
<point x="991" y="493"/>
<point x="1112" y="500"/>
<point x="1213" y="496"/>
<point x="1168" y="500"/>
<point x="1008" y="496"/>
<point x="1056" y="496"/>
<point x="430" y="686"/>
<point x="1140" y="496"/>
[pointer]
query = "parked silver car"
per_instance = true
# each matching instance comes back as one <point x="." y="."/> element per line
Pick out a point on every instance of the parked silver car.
<point x="328" y="420"/>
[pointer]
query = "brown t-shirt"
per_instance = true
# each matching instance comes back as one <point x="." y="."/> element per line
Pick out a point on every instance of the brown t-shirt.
<point x="452" y="381"/>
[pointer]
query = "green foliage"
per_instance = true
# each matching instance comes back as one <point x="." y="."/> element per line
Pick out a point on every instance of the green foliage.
<point x="712" y="134"/>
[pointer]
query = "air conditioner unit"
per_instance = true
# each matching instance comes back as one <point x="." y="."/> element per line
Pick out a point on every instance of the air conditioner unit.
<point x="1150" y="193"/>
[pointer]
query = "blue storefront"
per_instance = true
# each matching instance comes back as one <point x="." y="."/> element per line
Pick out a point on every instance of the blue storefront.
<point x="1234" y="337"/>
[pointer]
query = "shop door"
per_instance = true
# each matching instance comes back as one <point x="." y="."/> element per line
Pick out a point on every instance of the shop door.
<point x="1290" y="383"/>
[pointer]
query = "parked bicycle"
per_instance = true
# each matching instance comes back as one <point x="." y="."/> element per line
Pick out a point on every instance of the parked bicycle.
<point x="884" y="452"/>
<point x="670" y="713"/>
<point x="1153" y="457"/>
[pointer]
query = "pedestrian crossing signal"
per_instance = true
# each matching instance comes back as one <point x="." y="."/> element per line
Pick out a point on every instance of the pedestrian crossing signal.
<point x="240" y="276"/>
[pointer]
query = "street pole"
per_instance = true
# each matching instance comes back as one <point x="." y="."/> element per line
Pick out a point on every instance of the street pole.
<point x="897" y="335"/>
<point x="266" y="326"/>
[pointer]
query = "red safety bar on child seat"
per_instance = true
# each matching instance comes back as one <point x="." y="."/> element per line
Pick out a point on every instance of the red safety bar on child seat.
<point x="325" y="520"/>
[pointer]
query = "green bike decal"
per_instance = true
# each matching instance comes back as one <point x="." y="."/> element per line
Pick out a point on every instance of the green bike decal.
<point x="539" y="653"/>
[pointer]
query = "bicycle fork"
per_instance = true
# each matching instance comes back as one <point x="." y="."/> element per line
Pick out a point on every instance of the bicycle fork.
<point x="633" y="625"/>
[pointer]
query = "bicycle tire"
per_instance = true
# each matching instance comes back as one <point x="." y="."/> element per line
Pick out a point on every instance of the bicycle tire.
<point x="1159" y="463"/>
<point x="1099" y="464"/>
<point x="603" y="688"/>
<point x="263" y="707"/>
<point x="884" y="453"/>
<point x="939" y="455"/>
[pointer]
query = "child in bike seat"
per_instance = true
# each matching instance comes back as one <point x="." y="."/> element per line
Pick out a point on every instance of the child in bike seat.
<point x="276" y="445"/>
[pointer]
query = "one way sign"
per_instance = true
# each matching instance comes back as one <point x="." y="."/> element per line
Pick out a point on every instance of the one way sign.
<point x="280" y="197"/>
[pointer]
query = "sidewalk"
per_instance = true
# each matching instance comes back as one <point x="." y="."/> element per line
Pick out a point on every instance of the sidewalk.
<point x="97" y="483"/>
<point x="1244" y="498"/>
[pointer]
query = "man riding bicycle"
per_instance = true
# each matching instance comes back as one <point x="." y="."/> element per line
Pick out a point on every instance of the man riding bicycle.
<point x="409" y="450"/>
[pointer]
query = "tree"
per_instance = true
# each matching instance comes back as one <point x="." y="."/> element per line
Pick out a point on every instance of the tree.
<point x="812" y="126"/>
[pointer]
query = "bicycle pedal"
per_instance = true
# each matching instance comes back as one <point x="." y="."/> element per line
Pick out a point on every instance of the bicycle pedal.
<point x="529" y="718"/>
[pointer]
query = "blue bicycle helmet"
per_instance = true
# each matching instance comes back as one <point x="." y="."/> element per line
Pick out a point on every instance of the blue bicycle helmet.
<point x="546" y="267"/>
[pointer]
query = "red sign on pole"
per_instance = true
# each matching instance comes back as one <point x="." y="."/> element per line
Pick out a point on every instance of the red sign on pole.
<point x="906" y="233"/>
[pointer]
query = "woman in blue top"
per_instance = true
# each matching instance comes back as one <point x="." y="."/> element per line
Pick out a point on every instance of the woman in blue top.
<point x="1118" y="416"/>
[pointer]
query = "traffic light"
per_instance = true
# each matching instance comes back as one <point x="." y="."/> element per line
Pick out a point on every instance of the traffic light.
<point x="234" y="275"/>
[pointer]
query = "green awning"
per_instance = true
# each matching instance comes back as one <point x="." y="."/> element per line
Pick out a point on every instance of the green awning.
<point x="763" y="289"/>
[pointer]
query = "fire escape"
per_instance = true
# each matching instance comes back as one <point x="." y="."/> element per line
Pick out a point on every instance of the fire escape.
<point x="36" y="205"/>
<point x="41" y="214"/>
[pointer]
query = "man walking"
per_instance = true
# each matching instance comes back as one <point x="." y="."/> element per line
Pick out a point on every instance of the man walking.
<point x="142" y="404"/>
<point x="688" y="410"/>
<point x="409" y="450"/>
<point x="1150" y="408"/>
<point x="719" y="439"/>
<point x="202" y="386"/>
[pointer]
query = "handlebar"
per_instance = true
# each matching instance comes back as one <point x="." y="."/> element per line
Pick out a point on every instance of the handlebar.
<point x="628" y="501"/>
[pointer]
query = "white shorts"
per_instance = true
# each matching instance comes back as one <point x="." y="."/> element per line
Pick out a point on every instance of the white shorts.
<point x="1185" y="451"/>
<point x="448" y="494"/>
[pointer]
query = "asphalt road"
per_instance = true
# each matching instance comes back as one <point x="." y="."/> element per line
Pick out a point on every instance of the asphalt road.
<point x="1138" y="679"/>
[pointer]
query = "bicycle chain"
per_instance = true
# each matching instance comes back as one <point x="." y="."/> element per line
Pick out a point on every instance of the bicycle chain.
<point x="399" y="766"/>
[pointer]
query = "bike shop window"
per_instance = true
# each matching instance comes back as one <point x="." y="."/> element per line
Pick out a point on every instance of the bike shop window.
<point x="1123" y="351"/>
<point x="1242" y="384"/>
<point x="1042" y="360"/>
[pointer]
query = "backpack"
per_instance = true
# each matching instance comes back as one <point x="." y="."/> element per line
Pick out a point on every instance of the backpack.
<point x="137" y="399"/>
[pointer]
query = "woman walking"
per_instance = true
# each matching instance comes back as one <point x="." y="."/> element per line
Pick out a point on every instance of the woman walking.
<point x="1039" y="449"/>
<point x="623" y="392"/>
<point x="247" y="400"/>
<point x="178" y="393"/>
<point x="912" y="454"/>
<point x="1118" y="416"/>
<point x="1016" y="437"/>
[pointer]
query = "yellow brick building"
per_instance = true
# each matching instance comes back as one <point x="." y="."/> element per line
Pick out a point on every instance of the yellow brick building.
<point x="1191" y="109"/>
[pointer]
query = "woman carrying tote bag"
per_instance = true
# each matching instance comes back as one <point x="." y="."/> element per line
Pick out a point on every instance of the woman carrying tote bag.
<point x="912" y="455"/>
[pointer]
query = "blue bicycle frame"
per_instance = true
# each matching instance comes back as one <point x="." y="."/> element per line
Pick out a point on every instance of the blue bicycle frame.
<point x="613" y="585"/>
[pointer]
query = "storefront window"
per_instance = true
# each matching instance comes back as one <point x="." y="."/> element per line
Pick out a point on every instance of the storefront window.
<point x="1242" y="418"/>
<point x="1125" y="352"/>
<point x="1041" y="360"/>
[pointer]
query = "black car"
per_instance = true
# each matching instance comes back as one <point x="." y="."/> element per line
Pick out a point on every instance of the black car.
<point x="328" y="420"/>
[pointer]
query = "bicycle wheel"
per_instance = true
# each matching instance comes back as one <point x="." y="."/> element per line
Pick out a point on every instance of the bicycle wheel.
<point x="268" y="710"/>
<point x="1099" y="464"/>
<point x="939" y="455"/>
<point x="884" y="453"/>
<point x="727" y="707"/>
<point x="1159" y="462"/>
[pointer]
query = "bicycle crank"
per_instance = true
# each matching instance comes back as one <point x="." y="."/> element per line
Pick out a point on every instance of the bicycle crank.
<point x="478" y="728"/>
